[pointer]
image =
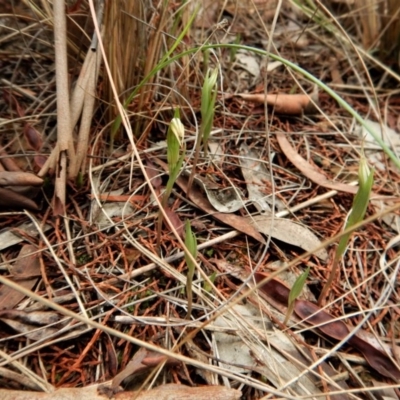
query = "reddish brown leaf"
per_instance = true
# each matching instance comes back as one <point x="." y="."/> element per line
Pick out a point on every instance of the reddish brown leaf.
<point x="175" y="220"/>
<point x="339" y="330"/>
<point x="312" y="314"/>
<point x="235" y="221"/>
<point x="33" y="137"/>
<point x="327" y="324"/>
<point x="154" y="174"/>
<point x="39" y="161"/>
<point x="375" y="358"/>
<point x="274" y="288"/>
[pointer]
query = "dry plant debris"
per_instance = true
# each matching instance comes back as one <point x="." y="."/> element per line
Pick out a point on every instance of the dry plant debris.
<point x="93" y="297"/>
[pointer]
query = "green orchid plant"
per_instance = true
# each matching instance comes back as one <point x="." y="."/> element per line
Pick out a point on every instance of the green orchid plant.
<point x="357" y="213"/>
<point x="208" y="99"/>
<point x="176" y="151"/>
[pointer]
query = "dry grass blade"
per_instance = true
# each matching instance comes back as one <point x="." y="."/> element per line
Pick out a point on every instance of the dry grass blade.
<point x="87" y="112"/>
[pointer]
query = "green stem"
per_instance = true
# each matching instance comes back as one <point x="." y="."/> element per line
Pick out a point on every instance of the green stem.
<point x="194" y="164"/>
<point x="328" y="284"/>
<point x="289" y="312"/>
<point x="189" y="291"/>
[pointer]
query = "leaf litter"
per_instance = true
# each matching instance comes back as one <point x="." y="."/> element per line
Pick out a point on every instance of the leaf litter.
<point x="107" y="261"/>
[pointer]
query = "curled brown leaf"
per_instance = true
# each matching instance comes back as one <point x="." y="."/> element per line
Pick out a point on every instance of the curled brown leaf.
<point x="11" y="199"/>
<point x="26" y="271"/>
<point x="274" y="288"/>
<point x="33" y="137"/>
<point x="19" y="178"/>
<point x="173" y="217"/>
<point x="312" y="314"/>
<point x="7" y="162"/>
<point x="313" y="173"/>
<point x="288" y="104"/>
<point x="376" y="358"/>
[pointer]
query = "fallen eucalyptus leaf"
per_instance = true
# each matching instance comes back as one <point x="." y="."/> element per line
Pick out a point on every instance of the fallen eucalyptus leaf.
<point x="225" y="200"/>
<point x="390" y="219"/>
<point x="248" y="62"/>
<point x="281" y="360"/>
<point x="313" y="173"/>
<point x="329" y="325"/>
<point x="256" y="174"/>
<point x="289" y="232"/>
<point x="32" y="332"/>
<point x="26" y="270"/>
<point x="9" y="237"/>
<point x="33" y="137"/>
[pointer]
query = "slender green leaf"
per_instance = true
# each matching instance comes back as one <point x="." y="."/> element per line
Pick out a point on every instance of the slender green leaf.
<point x="295" y="292"/>
<point x="191" y="245"/>
<point x="298" y="286"/>
<point x="207" y="287"/>
<point x="360" y="203"/>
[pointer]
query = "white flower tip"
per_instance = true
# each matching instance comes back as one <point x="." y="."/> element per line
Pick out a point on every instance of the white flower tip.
<point x="213" y="78"/>
<point x="178" y="129"/>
